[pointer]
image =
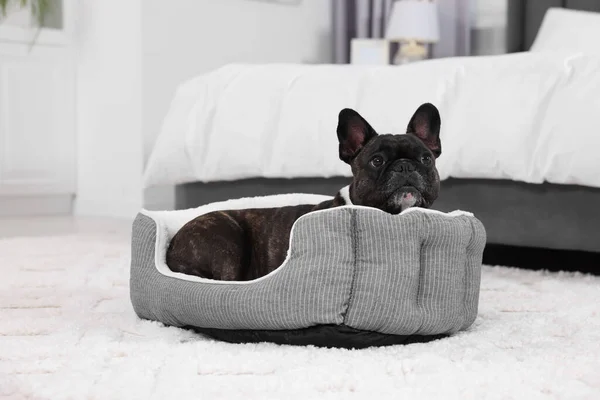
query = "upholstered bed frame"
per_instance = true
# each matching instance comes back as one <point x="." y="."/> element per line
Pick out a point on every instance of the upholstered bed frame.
<point x="517" y="214"/>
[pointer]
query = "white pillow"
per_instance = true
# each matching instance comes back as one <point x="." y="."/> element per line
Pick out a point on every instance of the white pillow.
<point x="569" y="31"/>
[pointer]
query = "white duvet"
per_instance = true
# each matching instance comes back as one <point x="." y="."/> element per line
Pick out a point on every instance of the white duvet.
<point x="529" y="117"/>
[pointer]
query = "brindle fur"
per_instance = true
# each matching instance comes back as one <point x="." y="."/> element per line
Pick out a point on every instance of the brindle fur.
<point x="247" y="244"/>
<point x="237" y="244"/>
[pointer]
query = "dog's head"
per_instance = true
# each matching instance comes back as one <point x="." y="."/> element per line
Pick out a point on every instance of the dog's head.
<point x="392" y="172"/>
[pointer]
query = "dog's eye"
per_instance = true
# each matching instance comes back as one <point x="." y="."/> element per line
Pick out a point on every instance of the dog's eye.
<point x="377" y="161"/>
<point x="426" y="159"/>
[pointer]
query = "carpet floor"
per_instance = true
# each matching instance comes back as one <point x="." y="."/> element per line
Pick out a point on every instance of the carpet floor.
<point x="68" y="331"/>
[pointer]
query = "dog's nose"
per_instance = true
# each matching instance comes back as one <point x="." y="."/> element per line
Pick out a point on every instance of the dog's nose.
<point x="405" y="166"/>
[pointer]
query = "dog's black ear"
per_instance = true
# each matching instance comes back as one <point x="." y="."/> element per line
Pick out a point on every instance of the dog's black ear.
<point x="425" y="124"/>
<point x="353" y="133"/>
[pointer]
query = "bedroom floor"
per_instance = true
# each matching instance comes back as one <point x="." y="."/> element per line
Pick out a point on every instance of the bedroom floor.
<point x="67" y="330"/>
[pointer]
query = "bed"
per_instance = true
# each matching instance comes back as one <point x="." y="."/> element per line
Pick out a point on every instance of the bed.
<point x="518" y="130"/>
<point x="329" y="291"/>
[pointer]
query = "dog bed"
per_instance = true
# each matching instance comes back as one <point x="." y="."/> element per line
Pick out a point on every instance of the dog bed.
<point x="354" y="277"/>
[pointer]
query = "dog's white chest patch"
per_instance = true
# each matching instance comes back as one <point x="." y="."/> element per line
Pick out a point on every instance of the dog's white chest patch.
<point x="404" y="200"/>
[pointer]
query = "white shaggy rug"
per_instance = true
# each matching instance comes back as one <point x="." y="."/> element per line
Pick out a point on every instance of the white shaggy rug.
<point x="68" y="331"/>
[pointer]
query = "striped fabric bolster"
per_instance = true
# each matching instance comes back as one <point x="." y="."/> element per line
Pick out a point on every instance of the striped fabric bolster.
<point x="413" y="273"/>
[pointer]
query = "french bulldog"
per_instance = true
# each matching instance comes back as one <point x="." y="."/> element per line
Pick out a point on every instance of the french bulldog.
<point x="391" y="172"/>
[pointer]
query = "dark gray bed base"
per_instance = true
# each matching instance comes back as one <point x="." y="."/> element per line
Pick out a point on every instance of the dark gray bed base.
<point x="518" y="214"/>
<point x="525" y="17"/>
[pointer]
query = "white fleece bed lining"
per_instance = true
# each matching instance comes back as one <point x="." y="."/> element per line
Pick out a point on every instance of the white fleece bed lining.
<point x="167" y="225"/>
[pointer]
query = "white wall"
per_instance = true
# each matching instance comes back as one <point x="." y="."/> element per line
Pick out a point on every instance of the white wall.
<point x="131" y="55"/>
<point x="109" y="108"/>
<point x="190" y="37"/>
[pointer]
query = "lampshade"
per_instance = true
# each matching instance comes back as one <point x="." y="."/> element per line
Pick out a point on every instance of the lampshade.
<point x="414" y="20"/>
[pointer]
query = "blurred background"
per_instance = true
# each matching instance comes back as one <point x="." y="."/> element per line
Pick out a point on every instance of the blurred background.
<point x="83" y="98"/>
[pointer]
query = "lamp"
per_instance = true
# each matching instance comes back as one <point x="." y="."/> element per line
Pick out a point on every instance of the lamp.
<point x="413" y="23"/>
